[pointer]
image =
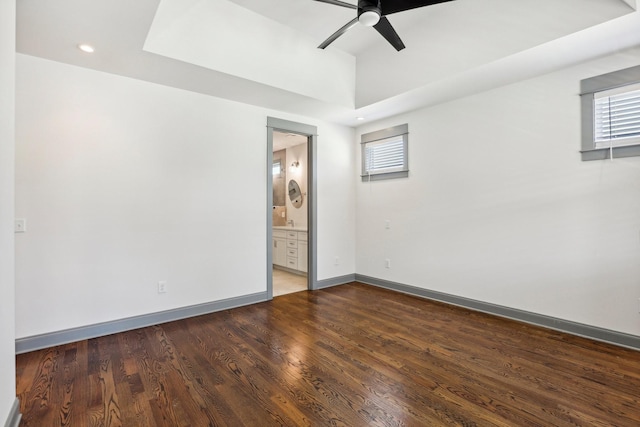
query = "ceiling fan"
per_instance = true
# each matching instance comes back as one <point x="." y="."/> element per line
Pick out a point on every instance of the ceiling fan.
<point x="373" y="13"/>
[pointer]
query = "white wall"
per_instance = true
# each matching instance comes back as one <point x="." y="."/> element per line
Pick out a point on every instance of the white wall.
<point x="125" y="183"/>
<point x="7" y="112"/>
<point x="499" y="208"/>
<point x="336" y="203"/>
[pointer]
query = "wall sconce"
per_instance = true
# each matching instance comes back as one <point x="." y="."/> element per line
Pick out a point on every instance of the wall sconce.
<point x="294" y="166"/>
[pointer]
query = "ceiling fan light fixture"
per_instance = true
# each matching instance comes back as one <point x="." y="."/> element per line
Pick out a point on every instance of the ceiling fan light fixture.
<point x="369" y="18"/>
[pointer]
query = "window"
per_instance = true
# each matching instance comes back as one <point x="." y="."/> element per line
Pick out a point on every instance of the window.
<point x="617" y="116"/>
<point x="611" y="115"/>
<point x="385" y="154"/>
<point x="277" y="168"/>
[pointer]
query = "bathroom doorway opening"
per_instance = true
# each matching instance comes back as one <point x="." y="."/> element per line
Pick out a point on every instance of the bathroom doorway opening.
<point x="291" y="222"/>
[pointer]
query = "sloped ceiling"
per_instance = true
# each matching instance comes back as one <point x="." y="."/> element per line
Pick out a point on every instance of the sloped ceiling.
<point x="263" y="52"/>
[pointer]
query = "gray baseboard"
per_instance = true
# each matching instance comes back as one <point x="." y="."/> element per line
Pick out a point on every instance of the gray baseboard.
<point x="335" y="281"/>
<point x="574" y="328"/>
<point x="13" y="420"/>
<point x="37" y="342"/>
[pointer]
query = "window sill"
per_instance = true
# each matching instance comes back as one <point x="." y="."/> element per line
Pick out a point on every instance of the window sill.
<point x="604" y="153"/>
<point x="383" y="176"/>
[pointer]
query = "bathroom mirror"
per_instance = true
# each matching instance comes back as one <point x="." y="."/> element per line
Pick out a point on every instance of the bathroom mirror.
<point x="295" y="195"/>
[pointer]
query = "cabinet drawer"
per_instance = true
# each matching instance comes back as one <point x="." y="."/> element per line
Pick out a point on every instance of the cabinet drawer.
<point x="292" y="243"/>
<point x="292" y="252"/>
<point x="280" y="233"/>
<point x="293" y="235"/>
<point x="292" y="263"/>
<point x="302" y="236"/>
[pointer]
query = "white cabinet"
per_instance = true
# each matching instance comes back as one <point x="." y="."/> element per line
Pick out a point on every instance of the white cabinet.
<point x="290" y="249"/>
<point x="280" y="248"/>
<point x="303" y="251"/>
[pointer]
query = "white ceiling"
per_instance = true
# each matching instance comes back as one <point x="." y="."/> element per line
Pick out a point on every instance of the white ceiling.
<point x="282" y="141"/>
<point x="453" y="49"/>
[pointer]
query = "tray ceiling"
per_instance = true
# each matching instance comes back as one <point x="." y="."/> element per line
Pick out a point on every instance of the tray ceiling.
<point x="263" y="52"/>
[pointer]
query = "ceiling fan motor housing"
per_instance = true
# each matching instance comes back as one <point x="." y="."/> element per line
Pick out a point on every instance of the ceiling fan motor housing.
<point x="369" y="6"/>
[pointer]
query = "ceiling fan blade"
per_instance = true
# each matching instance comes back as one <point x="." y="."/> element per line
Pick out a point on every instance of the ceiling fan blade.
<point x="386" y="30"/>
<point x="394" y="6"/>
<point x="338" y="3"/>
<point x="338" y="33"/>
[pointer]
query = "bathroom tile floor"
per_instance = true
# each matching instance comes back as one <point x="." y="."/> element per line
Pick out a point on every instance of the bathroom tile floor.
<point x="287" y="283"/>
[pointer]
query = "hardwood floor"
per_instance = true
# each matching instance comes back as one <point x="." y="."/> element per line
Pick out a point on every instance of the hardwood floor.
<point x="351" y="355"/>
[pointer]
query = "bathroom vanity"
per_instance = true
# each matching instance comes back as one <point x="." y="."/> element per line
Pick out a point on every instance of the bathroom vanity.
<point x="290" y="248"/>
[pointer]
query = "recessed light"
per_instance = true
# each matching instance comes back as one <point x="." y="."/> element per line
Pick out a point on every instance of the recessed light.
<point x="360" y="118"/>
<point x="86" y="48"/>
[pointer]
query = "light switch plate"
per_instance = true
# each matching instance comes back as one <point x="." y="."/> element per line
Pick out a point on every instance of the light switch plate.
<point x="20" y="225"/>
<point x="162" y="287"/>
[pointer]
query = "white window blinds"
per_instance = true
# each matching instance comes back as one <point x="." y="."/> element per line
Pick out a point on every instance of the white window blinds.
<point x="384" y="156"/>
<point x="617" y="117"/>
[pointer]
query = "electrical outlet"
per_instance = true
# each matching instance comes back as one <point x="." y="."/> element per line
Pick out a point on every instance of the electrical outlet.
<point x="387" y="263"/>
<point x="162" y="287"/>
<point x="20" y="225"/>
<point x="387" y="224"/>
<point x="336" y="261"/>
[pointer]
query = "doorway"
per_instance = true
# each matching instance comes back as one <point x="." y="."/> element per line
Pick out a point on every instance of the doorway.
<point x="291" y="225"/>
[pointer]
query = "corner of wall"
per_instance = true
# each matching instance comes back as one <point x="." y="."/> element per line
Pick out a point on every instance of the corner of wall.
<point x="7" y="153"/>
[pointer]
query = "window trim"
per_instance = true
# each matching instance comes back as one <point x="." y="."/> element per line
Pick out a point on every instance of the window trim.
<point x="588" y="88"/>
<point x="400" y="130"/>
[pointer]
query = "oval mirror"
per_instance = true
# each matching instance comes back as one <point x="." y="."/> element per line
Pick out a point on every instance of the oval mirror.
<point x="295" y="195"/>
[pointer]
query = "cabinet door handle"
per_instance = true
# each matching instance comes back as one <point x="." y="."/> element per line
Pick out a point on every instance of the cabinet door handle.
<point x="275" y="243"/>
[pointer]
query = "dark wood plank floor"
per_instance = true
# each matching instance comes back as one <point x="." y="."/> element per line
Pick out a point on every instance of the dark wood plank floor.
<point x="352" y="355"/>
